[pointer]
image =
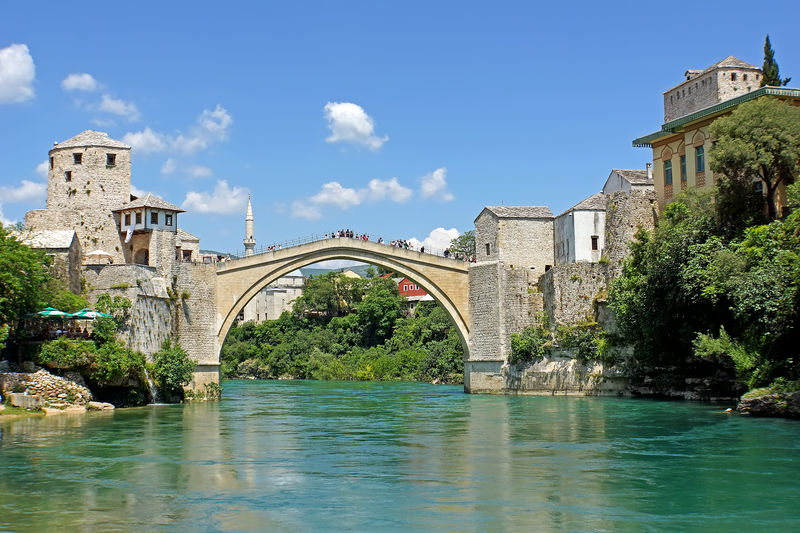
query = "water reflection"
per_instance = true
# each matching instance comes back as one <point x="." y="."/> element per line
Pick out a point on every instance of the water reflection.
<point x="365" y="456"/>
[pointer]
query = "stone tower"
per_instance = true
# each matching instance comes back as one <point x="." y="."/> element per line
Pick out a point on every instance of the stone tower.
<point x="89" y="176"/>
<point x="249" y="240"/>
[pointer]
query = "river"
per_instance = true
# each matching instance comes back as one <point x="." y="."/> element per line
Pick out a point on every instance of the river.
<point x="322" y="456"/>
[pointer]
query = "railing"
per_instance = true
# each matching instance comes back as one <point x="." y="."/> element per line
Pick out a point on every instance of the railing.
<point x="315" y="237"/>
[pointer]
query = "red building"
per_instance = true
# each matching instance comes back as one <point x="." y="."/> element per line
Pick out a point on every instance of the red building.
<point x="411" y="291"/>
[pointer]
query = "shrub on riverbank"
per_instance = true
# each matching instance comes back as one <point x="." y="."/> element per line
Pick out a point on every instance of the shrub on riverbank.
<point x="172" y="369"/>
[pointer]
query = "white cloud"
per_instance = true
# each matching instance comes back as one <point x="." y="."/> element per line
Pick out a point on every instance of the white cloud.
<point x="28" y="191"/>
<point x="3" y="220"/>
<point x="17" y="72"/>
<point x="223" y="200"/>
<point x="306" y="211"/>
<point x="349" y="123"/>
<point x="104" y="122"/>
<point x="434" y="185"/>
<point x="337" y="264"/>
<point x="80" y="82"/>
<point x="437" y="240"/>
<point x="119" y="107"/>
<point x="212" y="126"/>
<point x="377" y="190"/>
<point x="137" y="192"/>
<point x="43" y="168"/>
<point x="169" y="166"/>
<point x="146" y="141"/>
<point x="334" y="194"/>
<point x="199" y="171"/>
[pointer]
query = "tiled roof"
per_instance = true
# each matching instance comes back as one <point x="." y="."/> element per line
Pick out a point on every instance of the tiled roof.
<point x="520" y="211"/>
<point x="596" y="202"/>
<point x="151" y="200"/>
<point x="47" y="238"/>
<point x="634" y="176"/>
<point x="92" y="138"/>
<point x="186" y="236"/>
<point x="731" y="61"/>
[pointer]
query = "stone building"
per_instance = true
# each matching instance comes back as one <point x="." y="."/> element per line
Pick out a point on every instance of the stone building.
<point x="681" y="146"/>
<point x="64" y="247"/>
<point x="145" y="257"/>
<point x="722" y="81"/>
<point x="579" y="232"/>
<point x="628" y="180"/>
<point x="89" y="176"/>
<point x="274" y="299"/>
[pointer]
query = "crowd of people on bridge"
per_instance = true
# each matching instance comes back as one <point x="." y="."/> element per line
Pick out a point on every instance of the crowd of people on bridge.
<point x="397" y="243"/>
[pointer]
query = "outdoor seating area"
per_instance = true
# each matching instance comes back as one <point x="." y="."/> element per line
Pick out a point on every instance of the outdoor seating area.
<point x="51" y="323"/>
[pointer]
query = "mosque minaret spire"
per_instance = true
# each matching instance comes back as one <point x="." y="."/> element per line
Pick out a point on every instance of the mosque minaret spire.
<point x="249" y="239"/>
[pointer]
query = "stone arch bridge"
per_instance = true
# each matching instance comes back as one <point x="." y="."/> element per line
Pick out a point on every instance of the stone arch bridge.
<point x="446" y="280"/>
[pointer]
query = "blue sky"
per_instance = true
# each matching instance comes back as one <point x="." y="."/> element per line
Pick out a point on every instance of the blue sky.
<point x="393" y="119"/>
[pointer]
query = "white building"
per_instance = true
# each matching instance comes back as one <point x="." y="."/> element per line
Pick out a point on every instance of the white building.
<point x="580" y="231"/>
<point x="273" y="300"/>
<point x="623" y="179"/>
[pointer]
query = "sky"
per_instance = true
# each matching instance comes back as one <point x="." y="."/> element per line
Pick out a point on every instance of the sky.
<point x="396" y="119"/>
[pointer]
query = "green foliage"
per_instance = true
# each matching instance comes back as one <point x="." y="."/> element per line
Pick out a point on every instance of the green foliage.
<point x="113" y="363"/>
<point x="120" y="286"/>
<point x="529" y="345"/>
<point x="23" y="278"/>
<point x="172" y="368"/>
<point x="106" y="329"/>
<point x="779" y="386"/>
<point x="371" y="340"/>
<point x="770" y="73"/>
<point x="588" y="340"/>
<point x="759" y="140"/>
<point x="109" y="364"/>
<point x="67" y="353"/>
<point x="691" y="279"/>
<point x="464" y="244"/>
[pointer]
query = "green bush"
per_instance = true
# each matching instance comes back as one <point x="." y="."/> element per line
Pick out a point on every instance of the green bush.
<point x="172" y="368"/>
<point x="114" y="363"/>
<point x="67" y="353"/>
<point x="530" y="345"/>
<point x="588" y="339"/>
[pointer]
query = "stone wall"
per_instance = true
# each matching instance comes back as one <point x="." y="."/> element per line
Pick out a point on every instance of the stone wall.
<point x="570" y="291"/>
<point x="626" y="214"/>
<point x="198" y="320"/>
<point x="52" y="389"/>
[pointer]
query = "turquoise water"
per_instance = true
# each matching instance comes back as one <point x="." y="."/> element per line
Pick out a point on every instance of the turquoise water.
<point x="322" y="456"/>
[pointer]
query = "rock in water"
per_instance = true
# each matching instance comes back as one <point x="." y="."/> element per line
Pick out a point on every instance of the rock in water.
<point x="786" y="405"/>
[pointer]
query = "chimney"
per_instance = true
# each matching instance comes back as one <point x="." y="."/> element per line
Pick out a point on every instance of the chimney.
<point x="650" y="171"/>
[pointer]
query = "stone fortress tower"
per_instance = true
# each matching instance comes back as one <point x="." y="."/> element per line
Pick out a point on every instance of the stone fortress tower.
<point x="249" y="240"/>
<point x="722" y="81"/>
<point x="89" y="176"/>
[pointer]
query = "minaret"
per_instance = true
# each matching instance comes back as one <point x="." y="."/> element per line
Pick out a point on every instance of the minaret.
<point x="249" y="241"/>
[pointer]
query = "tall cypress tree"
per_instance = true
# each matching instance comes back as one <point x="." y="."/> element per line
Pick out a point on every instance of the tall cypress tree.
<point x="770" y="75"/>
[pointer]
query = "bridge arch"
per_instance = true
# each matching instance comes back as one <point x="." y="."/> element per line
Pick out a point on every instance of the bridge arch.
<point x="446" y="280"/>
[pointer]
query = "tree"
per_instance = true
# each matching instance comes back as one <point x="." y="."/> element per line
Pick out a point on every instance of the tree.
<point x="760" y="140"/>
<point x="464" y="243"/>
<point x="770" y="74"/>
<point x="172" y="367"/>
<point x="23" y="278"/>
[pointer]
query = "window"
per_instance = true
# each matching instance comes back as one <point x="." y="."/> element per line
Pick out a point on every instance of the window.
<point x="488" y="249"/>
<point x="733" y="76"/>
<point x="77" y="158"/>
<point x="127" y="219"/>
<point x="700" y="159"/>
<point x="168" y="219"/>
<point x="595" y="239"/>
<point x="51" y="162"/>
<point x="744" y="77"/>
<point x="68" y="175"/>
<point x="111" y="160"/>
<point x="138" y="218"/>
<point x="758" y="186"/>
<point x="667" y="172"/>
<point x="683" y="168"/>
<point x="154" y="217"/>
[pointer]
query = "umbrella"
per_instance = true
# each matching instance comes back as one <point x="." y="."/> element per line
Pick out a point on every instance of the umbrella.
<point x="99" y="253"/>
<point x="53" y="312"/>
<point x="88" y="313"/>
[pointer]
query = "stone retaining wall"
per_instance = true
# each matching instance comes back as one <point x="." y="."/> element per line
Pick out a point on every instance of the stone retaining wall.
<point x="52" y="389"/>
